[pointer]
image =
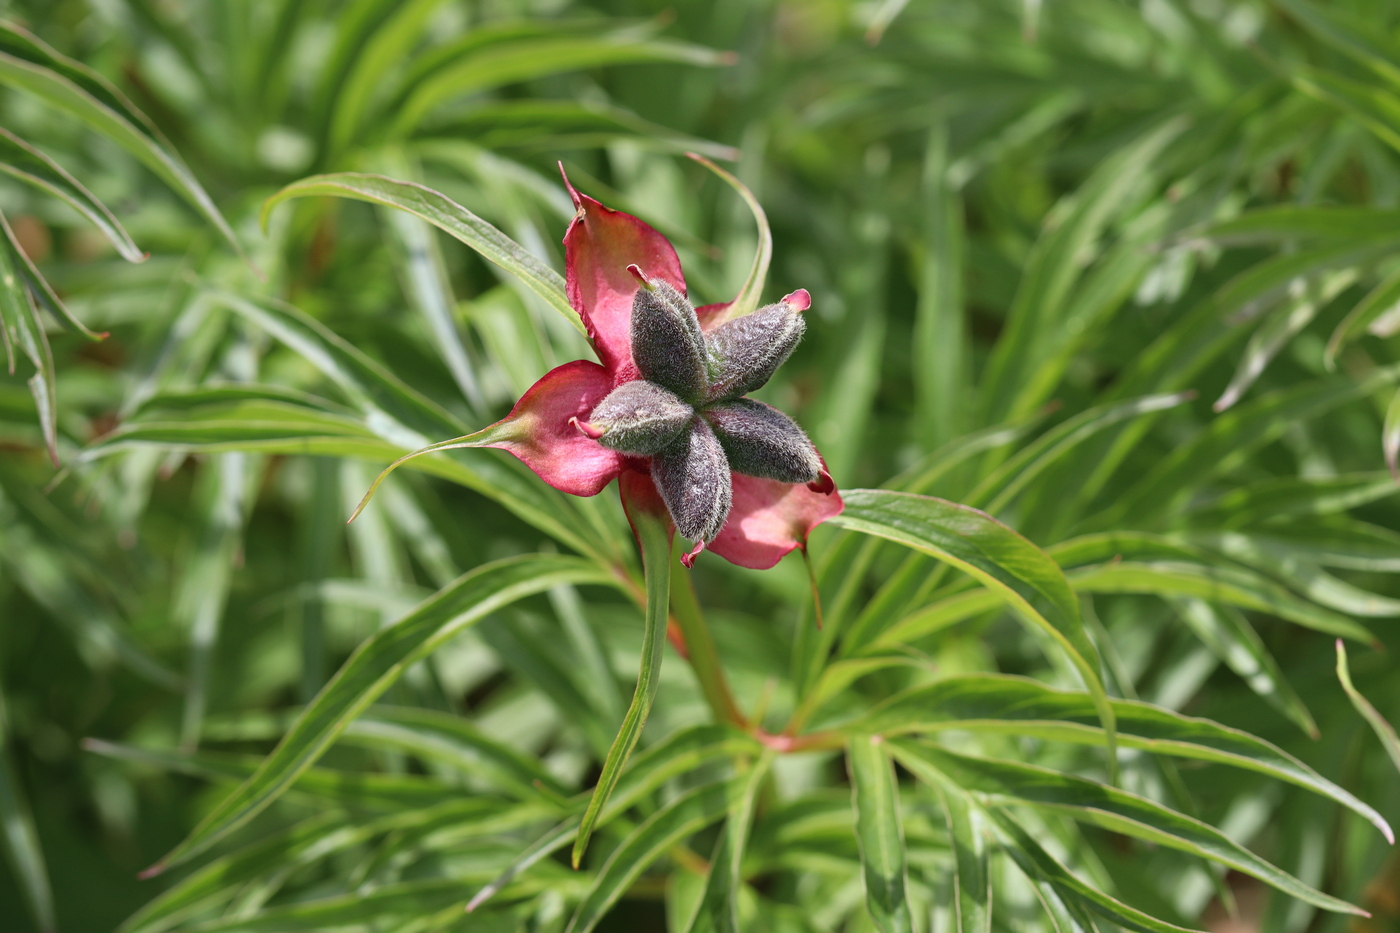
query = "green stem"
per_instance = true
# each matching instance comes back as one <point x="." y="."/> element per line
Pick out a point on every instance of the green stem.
<point x="700" y="651"/>
<point x="654" y="535"/>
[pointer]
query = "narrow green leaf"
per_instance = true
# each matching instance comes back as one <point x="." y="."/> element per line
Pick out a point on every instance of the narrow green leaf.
<point x="1390" y="436"/>
<point x="1281" y="325"/>
<point x="654" y="535"/>
<point x="679" y="753"/>
<point x="972" y="877"/>
<point x="875" y="799"/>
<point x="1019" y="706"/>
<point x="1374" y="107"/>
<point x="687" y="814"/>
<point x="1375" y="313"/>
<point x="445" y="214"/>
<point x="719" y="904"/>
<point x="450" y="739"/>
<point x="1230" y="637"/>
<point x="997" y="556"/>
<point x="1347" y="33"/>
<point x="1383" y="729"/>
<point x="22" y="848"/>
<point x="22" y="161"/>
<point x="752" y="290"/>
<point x="1036" y="862"/>
<point x="527" y="58"/>
<point x="1234" y="585"/>
<point x="1116" y="810"/>
<point x="29" y="64"/>
<point x="21" y="327"/>
<point x="376" y="665"/>
<point x="1303" y="575"/>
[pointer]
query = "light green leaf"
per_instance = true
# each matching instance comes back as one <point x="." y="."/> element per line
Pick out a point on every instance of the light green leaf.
<point x="448" y="216"/>
<point x="374" y="666"/>
<point x="687" y="814"/>
<point x="719" y="903"/>
<point x="1019" y="706"/>
<point x="20" y="160"/>
<point x="752" y="290"/>
<point x="997" y="556"/>
<point x="680" y="753"/>
<point x="1230" y="637"/>
<point x="1375" y="313"/>
<point x="875" y="799"/>
<point x="1037" y="863"/>
<point x="972" y="878"/>
<point x="22" y="848"/>
<point x="654" y="534"/>
<point x="1007" y="782"/>
<point x="32" y="66"/>
<point x="1234" y="585"/>
<point x="22" y="328"/>
<point x="484" y="66"/>
<point x="1383" y="729"/>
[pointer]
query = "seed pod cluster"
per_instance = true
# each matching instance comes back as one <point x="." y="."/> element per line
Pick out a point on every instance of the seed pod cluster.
<point x="687" y="412"/>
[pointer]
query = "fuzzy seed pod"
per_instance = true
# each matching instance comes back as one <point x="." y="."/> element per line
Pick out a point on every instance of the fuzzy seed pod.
<point x="745" y="352"/>
<point x="667" y="345"/>
<point x="693" y="477"/>
<point x="761" y="441"/>
<point x="638" y="417"/>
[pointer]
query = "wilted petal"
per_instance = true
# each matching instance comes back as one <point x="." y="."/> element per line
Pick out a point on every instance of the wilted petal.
<point x="598" y="247"/>
<point x="693" y="477"/>
<point x="541" y="435"/>
<point x="745" y="352"/>
<point x="761" y="441"/>
<point x="768" y="519"/>
<point x="667" y="345"/>
<point x="638" y="418"/>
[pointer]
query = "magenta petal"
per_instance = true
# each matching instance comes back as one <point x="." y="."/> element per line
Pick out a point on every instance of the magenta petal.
<point x="598" y="247"/>
<point x="769" y="519"/>
<point x="541" y="434"/>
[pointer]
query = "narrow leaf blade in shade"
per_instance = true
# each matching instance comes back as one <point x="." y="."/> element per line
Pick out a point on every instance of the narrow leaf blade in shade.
<point x="372" y="669"/>
<point x="875" y="798"/>
<point x="1390" y="436"/>
<point x="654" y="534"/>
<point x="1032" y="858"/>
<point x="1019" y="706"/>
<point x="30" y="65"/>
<point x="719" y="904"/>
<point x="22" y="328"/>
<point x="447" y="215"/>
<point x="680" y="753"/>
<point x="21" y="839"/>
<point x="1001" y="559"/>
<point x="1377" y="313"/>
<point x="972" y="877"/>
<point x="752" y="290"/>
<point x="1383" y="729"/>
<point x="22" y="161"/>
<point x="687" y="814"/>
<point x="1098" y="804"/>
<point x="1230" y="637"/>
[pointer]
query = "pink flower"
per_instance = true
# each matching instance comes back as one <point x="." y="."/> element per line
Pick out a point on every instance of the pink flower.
<point x="735" y="475"/>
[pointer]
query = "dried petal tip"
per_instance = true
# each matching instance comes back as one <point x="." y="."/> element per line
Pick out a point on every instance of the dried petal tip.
<point x="688" y="559"/>
<point x="799" y="300"/>
<point x="823" y="484"/>
<point x="586" y="429"/>
<point x="640" y="276"/>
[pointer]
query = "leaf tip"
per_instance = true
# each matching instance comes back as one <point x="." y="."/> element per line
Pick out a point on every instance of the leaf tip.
<point x="156" y="869"/>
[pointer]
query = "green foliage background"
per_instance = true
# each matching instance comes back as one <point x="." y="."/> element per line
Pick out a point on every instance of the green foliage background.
<point x="1121" y="274"/>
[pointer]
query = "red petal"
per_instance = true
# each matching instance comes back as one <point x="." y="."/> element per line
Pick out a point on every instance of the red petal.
<point x="598" y="247"/>
<point x="769" y="519"/>
<point x="541" y="435"/>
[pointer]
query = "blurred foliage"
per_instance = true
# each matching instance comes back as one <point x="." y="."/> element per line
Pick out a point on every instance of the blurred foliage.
<point x="1121" y="274"/>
